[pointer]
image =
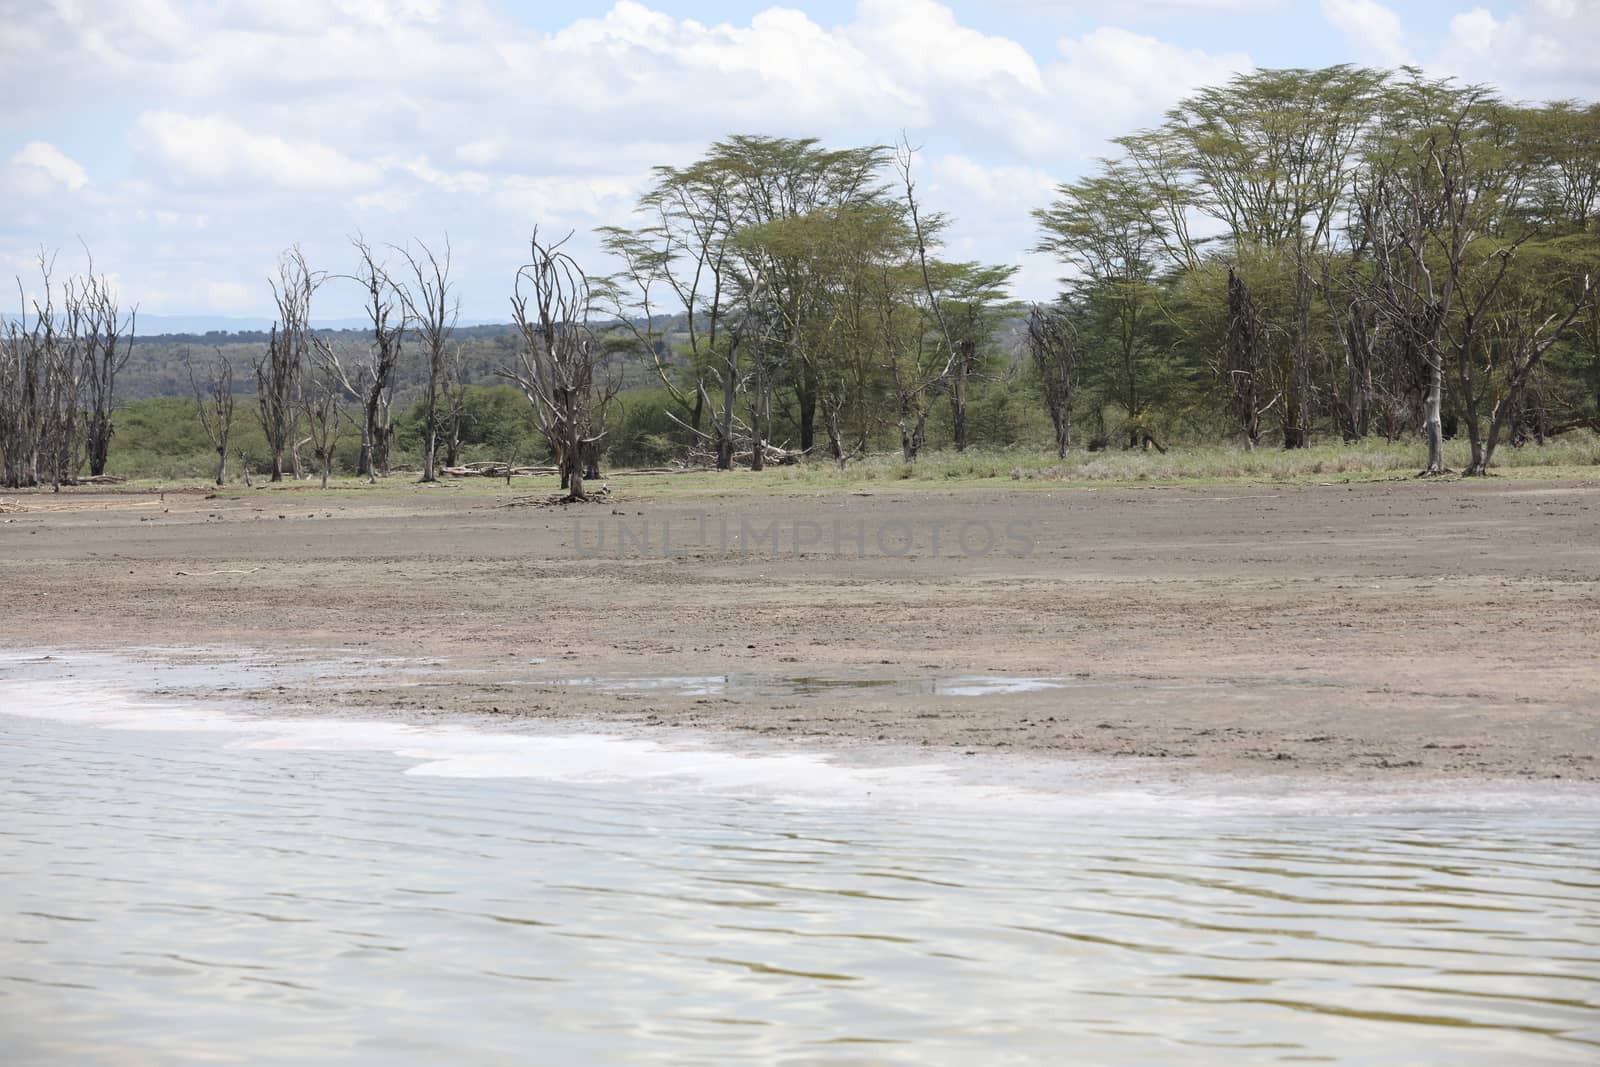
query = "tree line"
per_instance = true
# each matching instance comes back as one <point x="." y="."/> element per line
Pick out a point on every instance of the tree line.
<point x="1341" y="252"/>
<point x="1344" y="251"/>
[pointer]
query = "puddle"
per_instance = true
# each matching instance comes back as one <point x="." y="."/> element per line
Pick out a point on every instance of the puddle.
<point x="757" y="686"/>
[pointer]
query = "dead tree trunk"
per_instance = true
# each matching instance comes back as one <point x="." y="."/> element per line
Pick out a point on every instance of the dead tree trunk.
<point x="560" y="361"/>
<point x="1244" y="361"/>
<point x="1054" y="349"/>
<point x="214" y="406"/>
<point x="108" y="337"/>
<point x="278" y="370"/>
<point x="433" y="309"/>
<point x="374" y="378"/>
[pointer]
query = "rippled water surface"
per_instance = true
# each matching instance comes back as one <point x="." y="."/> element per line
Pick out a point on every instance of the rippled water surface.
<point x="220" y="891"/>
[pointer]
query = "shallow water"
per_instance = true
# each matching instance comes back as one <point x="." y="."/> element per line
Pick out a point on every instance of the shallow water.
<point x="179" y="885"/>
<point x="755" y="685"/>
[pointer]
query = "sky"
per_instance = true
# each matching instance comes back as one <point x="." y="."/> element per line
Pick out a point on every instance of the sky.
<point x="187" y="144"/>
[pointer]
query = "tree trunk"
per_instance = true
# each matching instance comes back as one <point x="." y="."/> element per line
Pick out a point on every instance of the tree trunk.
<point x="1479" y="463"/>
<point x="725" y="429"/>
<point x="430" y="425"/>
<point x="382" y="443"/>
<point x="1297" y="400"/>
<point x="572" y="459"/>
<point x="806" y="394"/>
<point x="1432" y="404"/>
<point x="1360" y="363"/>
<point x="367" y="464"/>
<point x="958" y="394"/>
<point x="99" y="442"/>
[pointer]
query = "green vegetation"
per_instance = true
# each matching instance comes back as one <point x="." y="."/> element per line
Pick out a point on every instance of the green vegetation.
<point x="1291" y="259"/>
<point x="159" y="441"/>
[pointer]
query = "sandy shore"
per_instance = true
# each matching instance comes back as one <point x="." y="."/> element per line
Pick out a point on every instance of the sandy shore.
<point x="1376" y="630"/>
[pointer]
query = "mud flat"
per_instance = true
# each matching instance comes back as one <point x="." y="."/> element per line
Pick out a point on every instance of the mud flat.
<point x="1374" y="631"/>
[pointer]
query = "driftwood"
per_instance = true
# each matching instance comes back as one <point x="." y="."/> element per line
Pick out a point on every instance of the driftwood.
<point x="496" y="469"/>
<point x="555" y="500"/>
<point x="100" y="479"/>
<point x="11" y="505"/>
<point x="772" y="456"/>
<point x="682" y="468"/>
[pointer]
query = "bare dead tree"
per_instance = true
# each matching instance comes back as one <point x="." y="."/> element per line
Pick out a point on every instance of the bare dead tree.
<point x="763" y="361"/>
<point x="1054" y="347"/>
<point x="42" y="365"/>
<point x="321" y="415"/>
<point x="921" y="228"/>
<point x="430" y="302"/>
<point x="278" y="369"/>
<point x="108" y="341"/>
<point x="214" y="406"/>
<point x="1245" y="361"/>
<point x="559" y="364"/>
<point x="1530" y="336"/>
<point x="19" y="374"/>
<point x="455" y="405"/>
<point x="371" y="380"/>
<point x="62" y="426"/>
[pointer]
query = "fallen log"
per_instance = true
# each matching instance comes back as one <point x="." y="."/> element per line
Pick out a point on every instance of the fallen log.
<point x="498" y="470"/>
<point x="772" y="456"/>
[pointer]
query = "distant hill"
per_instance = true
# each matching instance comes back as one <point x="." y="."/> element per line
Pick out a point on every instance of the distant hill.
<point x="156" y="326"/>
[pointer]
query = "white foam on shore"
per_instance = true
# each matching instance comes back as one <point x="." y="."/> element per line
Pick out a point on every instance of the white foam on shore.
<point x="697" y="762"/>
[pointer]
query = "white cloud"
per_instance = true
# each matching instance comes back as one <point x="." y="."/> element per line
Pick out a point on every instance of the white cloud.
<point x="1542" y="50"/>
<point x="1144" y="9"/>
<point x="1473" y="31"/>
<point x="213" y="150"/>
<point x="228" y="297"/>
<point x="1373" y="30"/>
<point x="964" y="179"/>
<point x="307" y="119"/>
<point x="39" y="168"/>
<point x="1112" y="80"/>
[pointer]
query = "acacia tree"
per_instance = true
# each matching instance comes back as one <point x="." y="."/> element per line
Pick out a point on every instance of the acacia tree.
<point x="774" y="180"/>
<point x="686" y="247"/>
<point x="1542" y="305"/>
<point x="1107" y="229"/>
<point x="214" y="406"/>
<point x="431" y="309"/>
<point x="738" y="222"/>
<point x="1270" y="155"/>
<point x="1436" y="204"/>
